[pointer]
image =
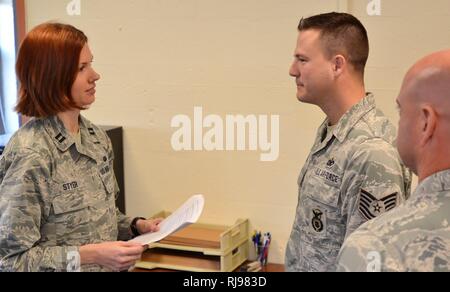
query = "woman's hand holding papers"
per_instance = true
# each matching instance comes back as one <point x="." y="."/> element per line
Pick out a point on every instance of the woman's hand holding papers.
<point x="149" y="225"/>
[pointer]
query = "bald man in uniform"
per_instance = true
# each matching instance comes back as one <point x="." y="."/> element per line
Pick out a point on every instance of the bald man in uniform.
<point x="416" y="235"/>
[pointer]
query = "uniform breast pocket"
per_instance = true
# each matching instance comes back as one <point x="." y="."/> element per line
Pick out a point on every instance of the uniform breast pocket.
<point x="321" y="205"/>
<point x="71" y="217"/>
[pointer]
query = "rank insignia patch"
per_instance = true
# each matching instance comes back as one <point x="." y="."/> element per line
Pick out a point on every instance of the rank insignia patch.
<point x="370" y="207"/>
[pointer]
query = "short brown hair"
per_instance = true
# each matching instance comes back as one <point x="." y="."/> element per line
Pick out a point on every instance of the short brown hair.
<point x="341" y="33"/>
<point x="47" y="66"/>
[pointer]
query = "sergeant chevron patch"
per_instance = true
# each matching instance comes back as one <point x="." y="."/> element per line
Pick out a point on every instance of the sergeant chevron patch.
<point x="370" y="207"/>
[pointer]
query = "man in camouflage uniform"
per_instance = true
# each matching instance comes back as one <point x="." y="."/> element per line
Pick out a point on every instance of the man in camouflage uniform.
<point x="353" y="172"/>
<point x="57" y="193"/>
<point x="415" y="236"/>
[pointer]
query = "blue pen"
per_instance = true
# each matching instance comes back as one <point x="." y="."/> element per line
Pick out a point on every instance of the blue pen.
<point x="255" y="241"/>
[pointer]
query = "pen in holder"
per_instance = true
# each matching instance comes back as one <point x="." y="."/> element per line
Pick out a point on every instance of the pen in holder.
<point x="261" y="244"/>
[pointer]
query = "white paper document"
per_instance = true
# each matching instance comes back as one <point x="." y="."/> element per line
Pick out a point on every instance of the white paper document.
<point x="187" y="214"/>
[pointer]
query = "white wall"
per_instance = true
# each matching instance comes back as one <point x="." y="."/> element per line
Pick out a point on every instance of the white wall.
<point x="160" y="58"/>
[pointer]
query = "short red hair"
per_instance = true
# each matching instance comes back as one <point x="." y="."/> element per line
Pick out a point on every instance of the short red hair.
<point x="47" y="67"/>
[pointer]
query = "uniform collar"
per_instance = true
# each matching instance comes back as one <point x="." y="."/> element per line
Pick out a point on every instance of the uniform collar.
<point x="58" y="133"/>
<point x="345" y="124"/>
<point x="435" y="183"/>
<point x="349" y="120"/>
<point x="320" y="144"/>
<point x="89" y="138"/>
<point x="64" y="141"/>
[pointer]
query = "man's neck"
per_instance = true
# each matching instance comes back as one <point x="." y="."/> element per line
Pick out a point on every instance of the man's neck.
<point x="433" y="156"/>
<point x="341" y="101"/>
<point x="70" y="121"/>
<point x="430" y="166"/>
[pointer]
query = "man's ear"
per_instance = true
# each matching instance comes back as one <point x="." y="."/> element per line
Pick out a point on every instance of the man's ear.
<point x="428" y="122"/>
<point x="339" y="63"/>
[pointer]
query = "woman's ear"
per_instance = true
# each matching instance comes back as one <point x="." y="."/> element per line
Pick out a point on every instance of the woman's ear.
<point x="428" y="118"/>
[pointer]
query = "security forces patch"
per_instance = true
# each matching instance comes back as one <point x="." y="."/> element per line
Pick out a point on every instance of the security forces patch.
<point x="370" y="207"/>
<point x="317" y="221"/>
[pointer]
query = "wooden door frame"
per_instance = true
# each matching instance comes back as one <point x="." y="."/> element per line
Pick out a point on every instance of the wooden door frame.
<point x="20" y="27"/>
<point x="19" y="12"/>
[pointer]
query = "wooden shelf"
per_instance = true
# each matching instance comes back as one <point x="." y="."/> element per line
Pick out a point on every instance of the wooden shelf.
<point x="270" y="268"/>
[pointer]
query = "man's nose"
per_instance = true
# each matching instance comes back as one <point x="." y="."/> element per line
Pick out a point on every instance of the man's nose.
<point x="293" y="71"/>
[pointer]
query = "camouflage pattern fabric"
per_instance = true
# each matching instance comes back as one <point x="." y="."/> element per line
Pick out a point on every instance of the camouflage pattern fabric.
<point x="56" y="194"/>
<point x="351" y="175"/>
<point x="414" y="237"/>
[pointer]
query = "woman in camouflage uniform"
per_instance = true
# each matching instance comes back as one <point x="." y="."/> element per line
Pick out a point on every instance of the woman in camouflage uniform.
<point x="57" y="185"/>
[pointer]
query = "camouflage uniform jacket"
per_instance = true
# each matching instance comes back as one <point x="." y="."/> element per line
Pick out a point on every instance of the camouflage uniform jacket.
<point x="352" y="175"/>
<point x="415" y="237"/>
<point x="55" y="196"/>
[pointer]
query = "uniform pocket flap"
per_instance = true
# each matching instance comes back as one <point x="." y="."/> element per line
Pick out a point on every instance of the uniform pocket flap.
<point x="69" y="202"/>
<point x="329" y="197"/>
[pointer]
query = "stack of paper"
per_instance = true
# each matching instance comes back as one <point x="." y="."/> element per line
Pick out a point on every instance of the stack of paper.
<point x="196" y="236"/>
<point x="187" y="214"/>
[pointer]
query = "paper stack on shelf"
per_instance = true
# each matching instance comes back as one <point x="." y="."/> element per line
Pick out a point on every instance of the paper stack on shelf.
<point x="200" y="248"/>
<point x="195" y="236"/>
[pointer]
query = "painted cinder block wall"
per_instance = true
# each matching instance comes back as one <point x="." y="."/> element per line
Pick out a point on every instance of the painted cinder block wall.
<point x="161" y="58"/>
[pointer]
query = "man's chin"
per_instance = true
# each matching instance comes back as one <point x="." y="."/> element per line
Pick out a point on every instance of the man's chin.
<point x="303" y="99"/>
